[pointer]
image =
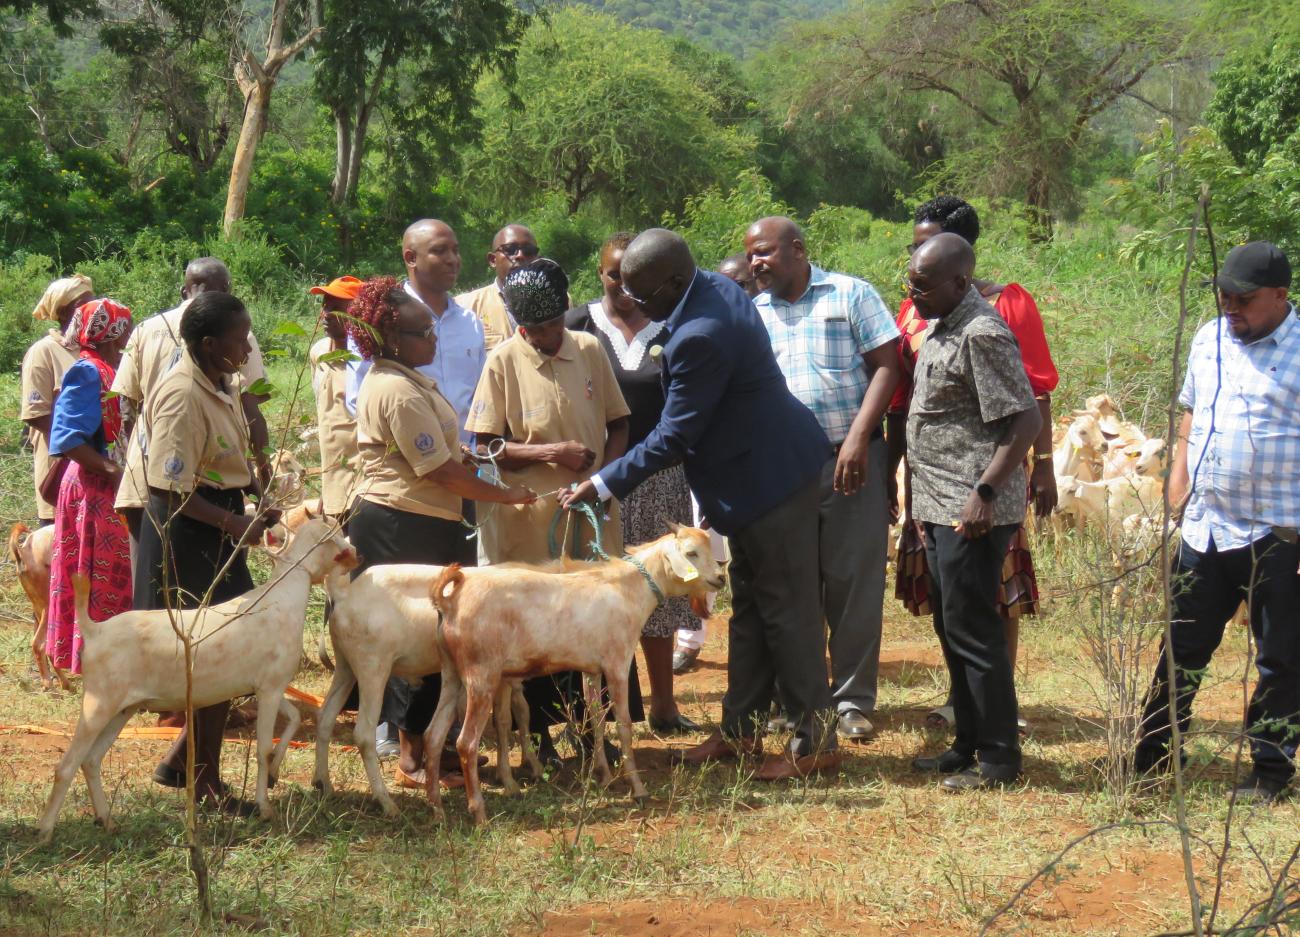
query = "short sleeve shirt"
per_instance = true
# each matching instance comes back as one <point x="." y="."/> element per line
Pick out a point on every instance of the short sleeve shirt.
<point x="337" y="433"/>
<point x="528" y="397"/>
<point x="819" y="340"/>
<point x="969" y="379"/>
<point x="197" y="435"/>
<point x="153" y="349"/>
<point x="486" y="303"/>
<point x="406" y="428"/>
<point x="43" y="368"/>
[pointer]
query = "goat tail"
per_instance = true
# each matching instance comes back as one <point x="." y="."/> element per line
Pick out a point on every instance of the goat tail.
<point x="443" y="600"/>
<point x="81" y="598"/>
<point x="16" y="535"/>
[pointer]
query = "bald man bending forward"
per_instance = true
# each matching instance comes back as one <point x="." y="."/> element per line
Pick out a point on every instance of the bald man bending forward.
<point x="753" y="456"/>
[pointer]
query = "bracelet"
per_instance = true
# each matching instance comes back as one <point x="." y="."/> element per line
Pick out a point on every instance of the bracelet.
<point x="1045" y="457"/>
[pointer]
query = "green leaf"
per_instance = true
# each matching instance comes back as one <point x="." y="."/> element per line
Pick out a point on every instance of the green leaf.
<point x="261" y="387"/>
<point x="110" y="395"/>
<point x="291" y="328"/>
<point x="275" y="353"/>
<point x="214" y="476"/>
<point x="221" y="441"/>
<point x="339" y="354"/>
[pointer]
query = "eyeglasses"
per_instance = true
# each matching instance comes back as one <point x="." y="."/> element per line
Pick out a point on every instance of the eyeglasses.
<point x="642" y="302"/>
<point x="509" y="250"/>
<point x="912" y="292"/>
<point x="425" y="333"/>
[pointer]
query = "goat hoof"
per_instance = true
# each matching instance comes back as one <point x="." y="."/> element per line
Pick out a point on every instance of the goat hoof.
<point x="390" y="810"/>
<point x="271" y="781"/>
<point x="44" y="836"/>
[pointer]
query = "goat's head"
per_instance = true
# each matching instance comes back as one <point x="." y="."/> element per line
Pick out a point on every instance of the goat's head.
<point x="320" y="548"/>
<point x="691" y="567"/>
<point x="1084" y="432"/>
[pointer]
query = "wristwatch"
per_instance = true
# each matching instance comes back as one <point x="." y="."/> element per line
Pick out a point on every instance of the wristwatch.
<point x="986" y="492"/>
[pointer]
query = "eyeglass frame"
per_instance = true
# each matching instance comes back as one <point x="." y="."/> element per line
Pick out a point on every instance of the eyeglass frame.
<point x="622" y="285"/>
<point x="426" y="333"/>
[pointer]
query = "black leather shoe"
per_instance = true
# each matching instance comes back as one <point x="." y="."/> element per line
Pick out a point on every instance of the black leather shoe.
<point x="979" y="779"/>
<point x="854" y="726"/>
<point x="1258" y="790"/>
<point x="684" y="660"/>
<point x="678" y="725"/>
<point x="950" y="762"/>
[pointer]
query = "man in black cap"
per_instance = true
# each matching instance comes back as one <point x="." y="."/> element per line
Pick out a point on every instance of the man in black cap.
<point x="1236" y="479"/>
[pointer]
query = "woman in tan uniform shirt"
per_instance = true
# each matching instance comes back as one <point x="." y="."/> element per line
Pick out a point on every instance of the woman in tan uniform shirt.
<point x="406" y="507"/>
<point x="197" y="465"/>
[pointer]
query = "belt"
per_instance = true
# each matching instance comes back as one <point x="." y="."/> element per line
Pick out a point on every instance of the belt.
<point x="877" y="433"/>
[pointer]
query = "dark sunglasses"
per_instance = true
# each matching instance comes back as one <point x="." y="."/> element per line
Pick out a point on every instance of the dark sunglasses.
<point x="509" y="250"/>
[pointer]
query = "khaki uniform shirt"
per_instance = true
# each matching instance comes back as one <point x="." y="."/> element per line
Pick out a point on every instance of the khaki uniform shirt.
<point x="197" y="436"/>
<point x="528" y="397"/>
<point x="405" y="430"/>
<point x="487" y="304"/>
<point x="42" y="375"/>
<point x="153" y="348"/>
<point x="969" y="379"/>
<point x="337" y="430"/>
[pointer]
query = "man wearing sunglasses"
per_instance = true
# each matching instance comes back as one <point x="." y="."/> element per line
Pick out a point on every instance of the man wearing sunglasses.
<point x="512" y="246"/>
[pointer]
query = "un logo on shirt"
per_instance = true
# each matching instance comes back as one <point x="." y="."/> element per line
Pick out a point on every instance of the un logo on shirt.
<point x="424" y="442"/>
<point x="172" y="467"/>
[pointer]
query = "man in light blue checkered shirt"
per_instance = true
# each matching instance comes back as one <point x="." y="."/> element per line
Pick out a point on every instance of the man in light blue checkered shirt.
<point x="1237" y="470"/>
<point x="834" y="341"/>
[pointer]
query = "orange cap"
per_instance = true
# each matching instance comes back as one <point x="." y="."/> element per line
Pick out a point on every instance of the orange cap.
<point x="341" y="288"/>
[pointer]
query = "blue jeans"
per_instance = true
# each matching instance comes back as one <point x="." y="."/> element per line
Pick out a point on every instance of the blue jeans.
<point x="1207" y="590"/>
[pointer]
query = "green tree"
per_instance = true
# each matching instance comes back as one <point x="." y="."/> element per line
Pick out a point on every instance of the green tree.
<point x="1030" y="76"/>
<point x="606" y="118"/>
<point x="1256" y="104"/>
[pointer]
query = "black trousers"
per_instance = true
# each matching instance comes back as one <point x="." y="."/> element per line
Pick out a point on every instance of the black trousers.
<point x="965" y="574"/>
<point x="1208" y="588"/>
<point x="177" y="560"/>
<point x="776" y="630"/>
<point x="382" y="535"/>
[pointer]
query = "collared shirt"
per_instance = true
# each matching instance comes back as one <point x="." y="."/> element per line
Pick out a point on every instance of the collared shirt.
<point x="969" y="379"/>
<point x="819" y="340"/>
<point x="1243" y="453"/>
<point x="153" y="349"/>
<point x="44" y="365"/>
<point x="456" y="365"/>
<point x="533" y="398"/>
<point x="406" y="429"/>
<point x="336" y="430"/>
<point x="602" y="490"/>
<point x="198" y="436"/>
<point x="487" y="303"/>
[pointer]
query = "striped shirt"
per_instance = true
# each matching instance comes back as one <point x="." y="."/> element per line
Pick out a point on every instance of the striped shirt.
<point x="819" y="340"/>
<point x="1243" y="453"/>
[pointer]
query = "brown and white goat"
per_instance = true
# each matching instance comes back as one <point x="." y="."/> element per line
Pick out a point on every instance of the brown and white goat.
<point x="513" y="622"/>
<point x="31" y="552"/>
<point x="250" y="645"/>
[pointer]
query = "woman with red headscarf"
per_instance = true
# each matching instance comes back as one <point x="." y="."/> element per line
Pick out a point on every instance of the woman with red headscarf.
<point x="89" y="537"/>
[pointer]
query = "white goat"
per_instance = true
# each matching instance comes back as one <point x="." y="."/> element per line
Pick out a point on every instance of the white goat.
<point x="249" y="645"/>
<point x="1078" y="455"/>
<point x="514" y="622"/>
<point x="31" y="552"/>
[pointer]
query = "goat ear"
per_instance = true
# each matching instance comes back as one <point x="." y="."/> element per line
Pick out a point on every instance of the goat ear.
<point x="668" y="522"/>
<point x="682" y="568"/>
<point x="306" y="507"/>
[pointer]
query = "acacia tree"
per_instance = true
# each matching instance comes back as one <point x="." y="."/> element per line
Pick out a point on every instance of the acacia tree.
<point x="1031" y="75"/>
<point x="607" y="116"/>
<point x="257" y="77"/>
<point x="417" y="60"/>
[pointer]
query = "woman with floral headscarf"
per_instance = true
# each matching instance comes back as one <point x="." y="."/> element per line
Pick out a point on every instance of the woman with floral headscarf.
<point x="89" y="537"/>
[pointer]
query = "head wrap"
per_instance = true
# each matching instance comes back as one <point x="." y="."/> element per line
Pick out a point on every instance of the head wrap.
<point x="537" y="292"/>
<point x="58" y="294"/>
<point x="98" y="322"/>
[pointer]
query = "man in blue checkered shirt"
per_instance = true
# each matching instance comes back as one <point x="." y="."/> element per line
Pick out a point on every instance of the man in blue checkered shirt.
<point x="834" y="341"/>
<point x="1237" y="472"/>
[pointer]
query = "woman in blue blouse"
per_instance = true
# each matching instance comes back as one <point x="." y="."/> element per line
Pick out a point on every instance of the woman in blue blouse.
<point x="89" y="536"/>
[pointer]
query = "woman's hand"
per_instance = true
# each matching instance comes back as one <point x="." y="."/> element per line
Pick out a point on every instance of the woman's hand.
<point x="574" y="456"/>
<point x="520" y="494"/>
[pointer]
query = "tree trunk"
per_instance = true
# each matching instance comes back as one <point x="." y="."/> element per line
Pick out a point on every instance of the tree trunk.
<point x="241" y="170"/>
<point x="1038" y="198"/>
<point x="342" y="156"/>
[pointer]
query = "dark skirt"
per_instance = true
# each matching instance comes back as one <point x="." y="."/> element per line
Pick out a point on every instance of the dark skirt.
<point x="194" y="553"/>
<point x="383" y="535"/>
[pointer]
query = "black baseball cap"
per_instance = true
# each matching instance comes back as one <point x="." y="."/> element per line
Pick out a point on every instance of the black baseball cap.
<point x="1254" y="266"/>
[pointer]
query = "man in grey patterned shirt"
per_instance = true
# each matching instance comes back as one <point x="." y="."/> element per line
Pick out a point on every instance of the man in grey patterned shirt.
<point x="971" y="422"/>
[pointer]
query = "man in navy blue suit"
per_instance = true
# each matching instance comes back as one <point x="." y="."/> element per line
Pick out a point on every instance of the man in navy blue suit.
<point x="753" y="456"/>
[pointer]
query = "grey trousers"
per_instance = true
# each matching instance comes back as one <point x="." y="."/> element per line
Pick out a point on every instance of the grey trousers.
<point x="852" y="549"/>
<point x="776" y="626"/>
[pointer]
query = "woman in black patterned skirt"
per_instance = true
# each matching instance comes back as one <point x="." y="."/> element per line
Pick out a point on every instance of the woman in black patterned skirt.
<point x="632" y="340"/>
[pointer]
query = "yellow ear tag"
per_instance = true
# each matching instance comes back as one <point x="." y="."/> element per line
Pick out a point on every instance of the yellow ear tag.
<point x="691" y="573"/>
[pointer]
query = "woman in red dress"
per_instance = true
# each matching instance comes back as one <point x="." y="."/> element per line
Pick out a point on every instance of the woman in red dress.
<point x="1019" y="588"/>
